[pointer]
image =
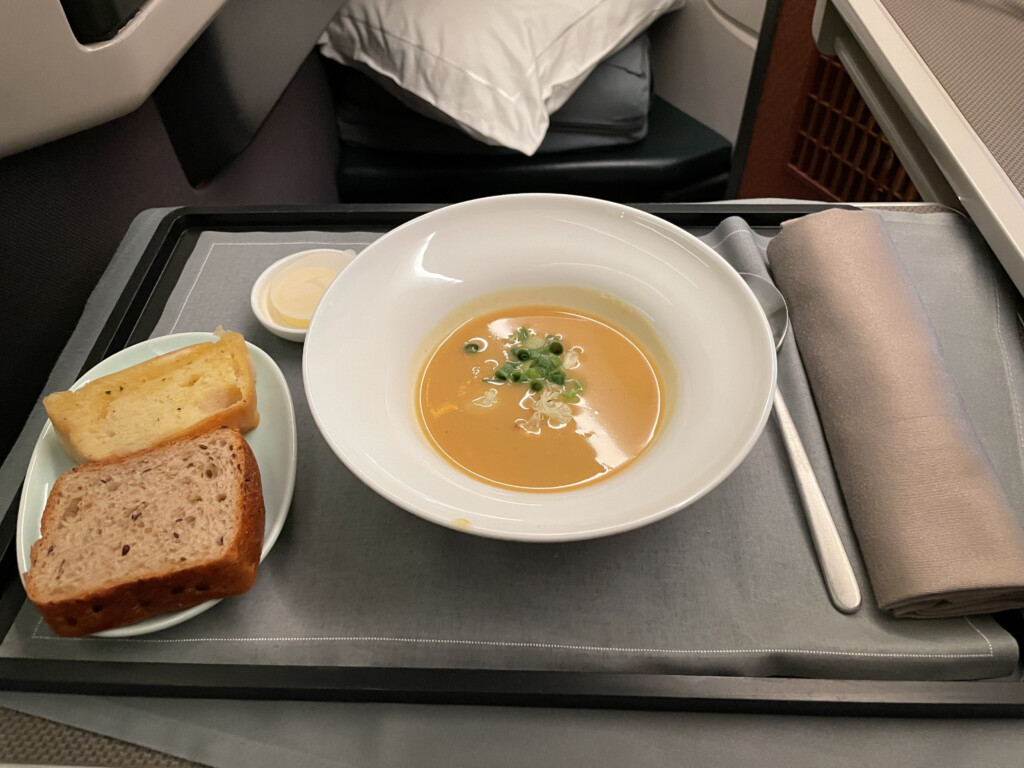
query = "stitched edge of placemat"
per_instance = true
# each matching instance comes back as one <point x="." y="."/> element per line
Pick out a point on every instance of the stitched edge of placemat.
<point x="29" y="739"/>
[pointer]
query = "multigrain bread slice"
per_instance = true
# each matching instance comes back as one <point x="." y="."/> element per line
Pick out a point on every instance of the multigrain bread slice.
<point x="158" y="531"/>
<point x="184" y="392"/>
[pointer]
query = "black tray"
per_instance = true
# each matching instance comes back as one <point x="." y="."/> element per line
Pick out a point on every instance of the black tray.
<point x="136" y="313"/>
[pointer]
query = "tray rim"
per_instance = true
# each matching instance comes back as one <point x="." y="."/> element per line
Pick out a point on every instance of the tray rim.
<point x="159" y="266"/>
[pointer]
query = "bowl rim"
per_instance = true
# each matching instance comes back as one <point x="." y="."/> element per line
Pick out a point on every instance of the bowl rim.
<point x="400" y="500"/>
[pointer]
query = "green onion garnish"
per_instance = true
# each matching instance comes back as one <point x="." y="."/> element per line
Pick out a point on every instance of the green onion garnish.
<point x="534" y="361"/>
<point x="532" y="372"/>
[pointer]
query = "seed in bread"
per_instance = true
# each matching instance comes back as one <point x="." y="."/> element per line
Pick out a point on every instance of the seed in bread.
<point x="161" y="530"/>
<point x="185" y="392"/>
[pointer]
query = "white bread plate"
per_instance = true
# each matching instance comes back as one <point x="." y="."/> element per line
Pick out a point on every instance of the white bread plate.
<point x="273" y="443"/>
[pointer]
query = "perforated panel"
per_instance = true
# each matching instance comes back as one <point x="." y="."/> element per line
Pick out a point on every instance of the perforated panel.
<point x="813" y="136"/>
<point x="839" y="147"/>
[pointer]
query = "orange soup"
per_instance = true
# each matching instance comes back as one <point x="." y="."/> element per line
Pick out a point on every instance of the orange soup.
<point x="539" y="398"/>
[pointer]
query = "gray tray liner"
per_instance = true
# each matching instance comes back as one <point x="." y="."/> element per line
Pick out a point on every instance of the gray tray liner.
<point x="727" y="586"/>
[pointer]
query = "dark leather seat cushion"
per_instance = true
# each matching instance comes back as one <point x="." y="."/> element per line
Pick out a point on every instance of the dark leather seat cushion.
<point x="679" y="159"/>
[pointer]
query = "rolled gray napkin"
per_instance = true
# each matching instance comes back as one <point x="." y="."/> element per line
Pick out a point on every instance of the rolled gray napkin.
<point x="937" y="533"/>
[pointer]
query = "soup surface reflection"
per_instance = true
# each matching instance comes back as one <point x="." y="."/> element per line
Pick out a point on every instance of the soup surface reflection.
<point x="539" y="398"/>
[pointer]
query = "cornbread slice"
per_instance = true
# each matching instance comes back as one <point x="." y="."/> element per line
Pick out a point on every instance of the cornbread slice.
<point x="185" y="392"/>
<point x="158" y="531"/>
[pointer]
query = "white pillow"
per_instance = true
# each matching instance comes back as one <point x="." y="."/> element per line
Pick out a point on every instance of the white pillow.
<point x="496" y="68"/>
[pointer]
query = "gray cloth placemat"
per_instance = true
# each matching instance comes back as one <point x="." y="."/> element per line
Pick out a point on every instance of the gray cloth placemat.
<point x="728" y="586"/>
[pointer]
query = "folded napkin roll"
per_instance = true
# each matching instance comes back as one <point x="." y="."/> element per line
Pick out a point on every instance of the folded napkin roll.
<point x="937" y="533"/>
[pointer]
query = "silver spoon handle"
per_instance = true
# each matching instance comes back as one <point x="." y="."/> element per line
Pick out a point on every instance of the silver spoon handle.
<point x="835" y="565"/>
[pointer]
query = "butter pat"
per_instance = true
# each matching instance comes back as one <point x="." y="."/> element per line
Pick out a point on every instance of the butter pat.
<point x="285" y="297"/>
<point x="294" y="294"/>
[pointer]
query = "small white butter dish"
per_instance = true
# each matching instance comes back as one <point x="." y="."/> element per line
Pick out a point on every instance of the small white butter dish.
<point x="284" y="297"/>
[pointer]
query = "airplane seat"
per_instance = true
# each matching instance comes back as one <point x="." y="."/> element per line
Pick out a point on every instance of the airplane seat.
<point x="613" y="139"/>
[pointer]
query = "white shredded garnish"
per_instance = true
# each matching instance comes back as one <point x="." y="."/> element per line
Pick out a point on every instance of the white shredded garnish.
<point x="549" y="404"/>
<point x="487" y="399"/>
<point x="531" y="425"/>
<point x="572" y="359"/>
